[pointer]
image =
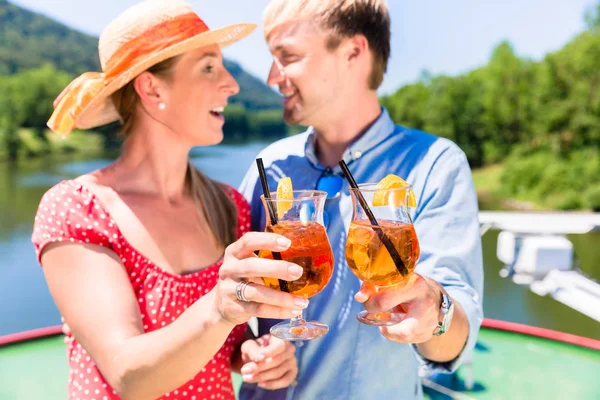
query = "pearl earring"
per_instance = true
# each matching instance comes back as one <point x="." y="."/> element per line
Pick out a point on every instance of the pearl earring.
<point x="162" y="106"/>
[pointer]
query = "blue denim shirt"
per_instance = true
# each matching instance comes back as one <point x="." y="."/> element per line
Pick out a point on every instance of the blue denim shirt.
<point x="354" y="361"/>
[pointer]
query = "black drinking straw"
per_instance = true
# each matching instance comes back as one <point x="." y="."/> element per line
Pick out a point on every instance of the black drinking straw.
<point x="382" y="236"/>
<point x="283" y="285"/>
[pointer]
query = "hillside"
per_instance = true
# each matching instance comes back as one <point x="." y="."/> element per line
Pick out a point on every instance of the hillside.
<point x="30" y="40"/>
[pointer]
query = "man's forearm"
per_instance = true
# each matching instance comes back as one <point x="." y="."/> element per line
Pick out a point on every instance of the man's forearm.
<point x="448" y="346"/>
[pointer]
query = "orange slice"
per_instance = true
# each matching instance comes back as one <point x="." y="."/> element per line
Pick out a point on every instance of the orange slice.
<point x="285" y="195"/>
<point x="382" y="194"/>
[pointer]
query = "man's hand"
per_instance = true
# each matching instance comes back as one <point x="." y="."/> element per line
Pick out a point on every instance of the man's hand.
<point x="269" y="361"/>
<point x="420" y="299"/>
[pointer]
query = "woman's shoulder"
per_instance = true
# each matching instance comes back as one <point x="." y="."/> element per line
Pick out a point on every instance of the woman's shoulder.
<point x="66" y="193"/>
<point x="81" y="190"/>
<point x="70" y="211"/>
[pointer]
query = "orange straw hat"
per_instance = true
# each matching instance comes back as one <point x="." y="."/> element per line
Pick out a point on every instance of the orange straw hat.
<point x="142" y="36"/>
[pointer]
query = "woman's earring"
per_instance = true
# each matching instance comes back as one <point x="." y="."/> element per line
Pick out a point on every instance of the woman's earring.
<point x="162" y="106"/>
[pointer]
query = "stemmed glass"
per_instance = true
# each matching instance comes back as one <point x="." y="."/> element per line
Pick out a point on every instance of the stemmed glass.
<point x="382" y="247"/>
<point x="302" y="223"/>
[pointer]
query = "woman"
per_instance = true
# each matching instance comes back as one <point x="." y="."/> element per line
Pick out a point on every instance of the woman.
<point x="142" y="257"/>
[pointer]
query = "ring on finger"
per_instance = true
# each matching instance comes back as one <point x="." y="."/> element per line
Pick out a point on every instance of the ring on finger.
<point x="240" y="290"/>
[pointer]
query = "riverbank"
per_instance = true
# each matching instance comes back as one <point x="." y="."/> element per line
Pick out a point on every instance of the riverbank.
<point x="491" y="194"/>
<point x="34" y="144"/>
<point x="488" y="183"/>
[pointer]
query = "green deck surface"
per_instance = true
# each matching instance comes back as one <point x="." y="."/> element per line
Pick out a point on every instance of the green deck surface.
<point x="35" y="369"/>
<point x="505" y="366"/>
<point x="509" y="365"/>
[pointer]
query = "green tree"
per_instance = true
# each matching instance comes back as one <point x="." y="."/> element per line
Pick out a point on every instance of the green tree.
<point x="34" y="92"/>
<point x="408" y="104"/>
<point x="9" y="118"/>
<point x="26" y="101"/>
<point x="568" y="95"/>
<point x="267" y="124"/>
<point x="592" y="17"/>
<point x="454" y="110"/>
<point x="507" y="82"/>
<point x="236" y="122"/>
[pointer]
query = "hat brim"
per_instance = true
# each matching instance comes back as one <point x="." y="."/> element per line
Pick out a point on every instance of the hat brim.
<point x="101" y="111"/>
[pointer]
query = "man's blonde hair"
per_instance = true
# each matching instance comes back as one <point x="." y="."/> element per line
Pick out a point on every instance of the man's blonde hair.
<point x="342" y="19"/>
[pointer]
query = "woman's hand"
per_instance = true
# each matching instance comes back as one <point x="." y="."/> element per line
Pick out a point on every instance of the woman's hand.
<point x="270" y="362"/>
<point x="240" y="264"/>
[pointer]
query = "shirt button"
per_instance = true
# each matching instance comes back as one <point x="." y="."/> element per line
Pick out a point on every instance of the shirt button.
<point x="300" y="344"/>
<point x="357" y="155"/>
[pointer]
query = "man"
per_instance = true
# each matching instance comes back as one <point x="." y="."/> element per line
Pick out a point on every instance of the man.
<point x="329" y="59"/>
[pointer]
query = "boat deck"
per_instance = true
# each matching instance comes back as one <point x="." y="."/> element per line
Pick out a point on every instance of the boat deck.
<point x="505" y="365"/>
<point x="509" y="365"/>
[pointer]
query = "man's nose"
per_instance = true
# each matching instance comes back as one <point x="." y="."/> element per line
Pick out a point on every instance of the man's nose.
<point x="275" y="74"/>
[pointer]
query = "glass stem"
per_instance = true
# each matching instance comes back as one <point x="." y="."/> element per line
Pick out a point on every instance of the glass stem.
<point x="297" y="321"/>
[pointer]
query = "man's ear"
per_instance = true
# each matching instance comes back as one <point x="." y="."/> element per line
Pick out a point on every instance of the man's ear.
<point x="357" y="47"/>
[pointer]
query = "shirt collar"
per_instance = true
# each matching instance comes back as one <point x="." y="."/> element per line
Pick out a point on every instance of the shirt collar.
<point x="376" y="133"/>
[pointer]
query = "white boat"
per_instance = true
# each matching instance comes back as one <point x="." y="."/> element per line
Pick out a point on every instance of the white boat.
<point x="537" y="252"/>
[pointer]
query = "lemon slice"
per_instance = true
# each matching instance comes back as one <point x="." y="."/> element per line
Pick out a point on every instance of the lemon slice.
<point x="285" y="195"/>
<point x="382" y="194"/>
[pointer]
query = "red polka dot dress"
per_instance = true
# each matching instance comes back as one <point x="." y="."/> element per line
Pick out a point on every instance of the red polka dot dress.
<point x="69" y="212"/>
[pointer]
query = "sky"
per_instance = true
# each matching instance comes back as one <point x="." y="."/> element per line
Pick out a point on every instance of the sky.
<point x="440" y="36"/>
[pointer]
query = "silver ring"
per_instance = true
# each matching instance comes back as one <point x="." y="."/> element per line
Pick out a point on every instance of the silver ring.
<point x="239" y="291"/>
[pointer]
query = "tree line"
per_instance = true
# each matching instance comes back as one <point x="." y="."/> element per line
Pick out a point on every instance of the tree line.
<point x="541" y="119"/>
